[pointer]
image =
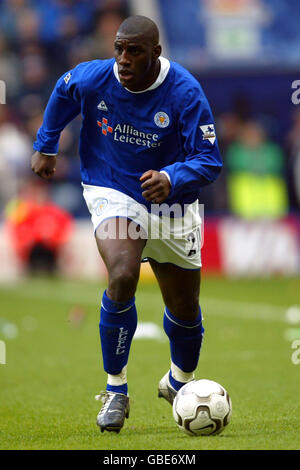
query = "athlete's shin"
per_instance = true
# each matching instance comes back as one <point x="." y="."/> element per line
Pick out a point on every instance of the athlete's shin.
<point x="117" y="326"/>
<point x="185" y="344"/>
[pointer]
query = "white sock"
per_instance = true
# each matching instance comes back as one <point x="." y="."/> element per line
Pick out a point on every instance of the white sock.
<point x="180" y="375"/>
<point x="119" y="379"/>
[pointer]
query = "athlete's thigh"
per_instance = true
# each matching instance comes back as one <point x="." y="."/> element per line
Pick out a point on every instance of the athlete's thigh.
<point x="180" y="288"/>
<point x="116" y="245"/>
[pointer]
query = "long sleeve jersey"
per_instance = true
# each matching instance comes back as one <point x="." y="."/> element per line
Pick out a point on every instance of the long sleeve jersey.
<point x="168" y="127"/>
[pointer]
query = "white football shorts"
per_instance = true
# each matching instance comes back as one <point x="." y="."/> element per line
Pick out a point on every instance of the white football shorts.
<point x="175" y="239"/>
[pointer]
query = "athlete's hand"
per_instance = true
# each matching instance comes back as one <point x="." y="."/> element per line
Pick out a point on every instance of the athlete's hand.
<point x="156" y="186"/>
<point x="43" y="165"/>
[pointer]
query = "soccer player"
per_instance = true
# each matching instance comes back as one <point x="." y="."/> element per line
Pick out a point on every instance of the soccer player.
<point x="147" y="140"/>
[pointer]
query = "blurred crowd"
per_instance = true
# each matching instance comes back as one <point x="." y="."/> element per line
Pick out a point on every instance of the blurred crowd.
<point x="40" y="40"/>
<point x="261" y="173"/>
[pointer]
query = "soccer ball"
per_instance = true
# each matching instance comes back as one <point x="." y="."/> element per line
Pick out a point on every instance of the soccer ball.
<point x="202" y="407"/>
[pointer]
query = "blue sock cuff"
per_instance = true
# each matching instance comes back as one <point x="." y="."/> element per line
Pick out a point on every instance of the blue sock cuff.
<point x="175" y="383"/>
<point x="116" y="307"/>
<point x="186" y="323"/>
<point x="117" y="388"/>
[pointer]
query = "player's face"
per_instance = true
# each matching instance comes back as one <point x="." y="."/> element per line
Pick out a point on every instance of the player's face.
<point x="136" y="58"/>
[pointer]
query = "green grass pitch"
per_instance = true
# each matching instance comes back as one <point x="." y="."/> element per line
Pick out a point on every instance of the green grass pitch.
<point x="53" y="367"/>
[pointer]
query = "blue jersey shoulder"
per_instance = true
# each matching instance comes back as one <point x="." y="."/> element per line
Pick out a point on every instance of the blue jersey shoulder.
<point x="183" y="78"/>
<point x="186" y="88"/>
<point x="97" y="65"/>
<point x="87" y="72"/>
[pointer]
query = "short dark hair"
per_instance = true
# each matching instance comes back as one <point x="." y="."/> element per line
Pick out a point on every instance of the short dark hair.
<point x="138" y="24"/>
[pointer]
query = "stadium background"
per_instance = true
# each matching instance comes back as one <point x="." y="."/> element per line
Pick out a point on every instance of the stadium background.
<point x="246" y="54"/>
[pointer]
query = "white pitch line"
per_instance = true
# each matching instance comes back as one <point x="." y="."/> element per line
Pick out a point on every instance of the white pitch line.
<point x="244" y="310"/>
<point x="211" y="306"/>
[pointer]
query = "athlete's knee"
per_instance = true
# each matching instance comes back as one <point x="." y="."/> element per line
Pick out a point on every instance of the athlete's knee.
<point x="185" y="308"/>
<point x="122" y="283"/>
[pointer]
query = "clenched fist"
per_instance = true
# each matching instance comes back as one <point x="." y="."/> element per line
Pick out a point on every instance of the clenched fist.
<point x="43" y="165"/>
<point x="156" y="186"/>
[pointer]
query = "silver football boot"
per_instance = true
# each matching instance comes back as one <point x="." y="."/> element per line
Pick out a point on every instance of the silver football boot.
<point x="115" y="409"/>
<point x="165" y="389"/>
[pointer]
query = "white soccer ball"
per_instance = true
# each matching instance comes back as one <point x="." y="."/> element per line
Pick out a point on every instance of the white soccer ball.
<point x="202" y="407"/>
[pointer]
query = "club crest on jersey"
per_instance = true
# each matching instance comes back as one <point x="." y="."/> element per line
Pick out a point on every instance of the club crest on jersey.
<point x="161" y="119"/>
<point x="104" y="126"/>
<point x="209" y="132"/>
<point x="100" y="205"/>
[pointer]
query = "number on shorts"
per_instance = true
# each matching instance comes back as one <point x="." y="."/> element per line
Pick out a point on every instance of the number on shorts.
<point x="194" y="239"/>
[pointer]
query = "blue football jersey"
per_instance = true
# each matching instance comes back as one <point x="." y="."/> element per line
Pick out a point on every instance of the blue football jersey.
<point x="168" y="127"/>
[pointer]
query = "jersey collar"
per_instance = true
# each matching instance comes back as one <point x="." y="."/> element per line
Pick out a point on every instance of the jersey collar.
<point x="164" y="69"/>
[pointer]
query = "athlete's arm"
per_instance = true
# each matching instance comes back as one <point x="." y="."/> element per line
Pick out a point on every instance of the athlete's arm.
<point x="203" y="162"/>
<point x="63" y="106"/>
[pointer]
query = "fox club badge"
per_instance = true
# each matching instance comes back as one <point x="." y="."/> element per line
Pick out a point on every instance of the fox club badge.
<point x="100" y="205"/>
<point x="161" y="119"/>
